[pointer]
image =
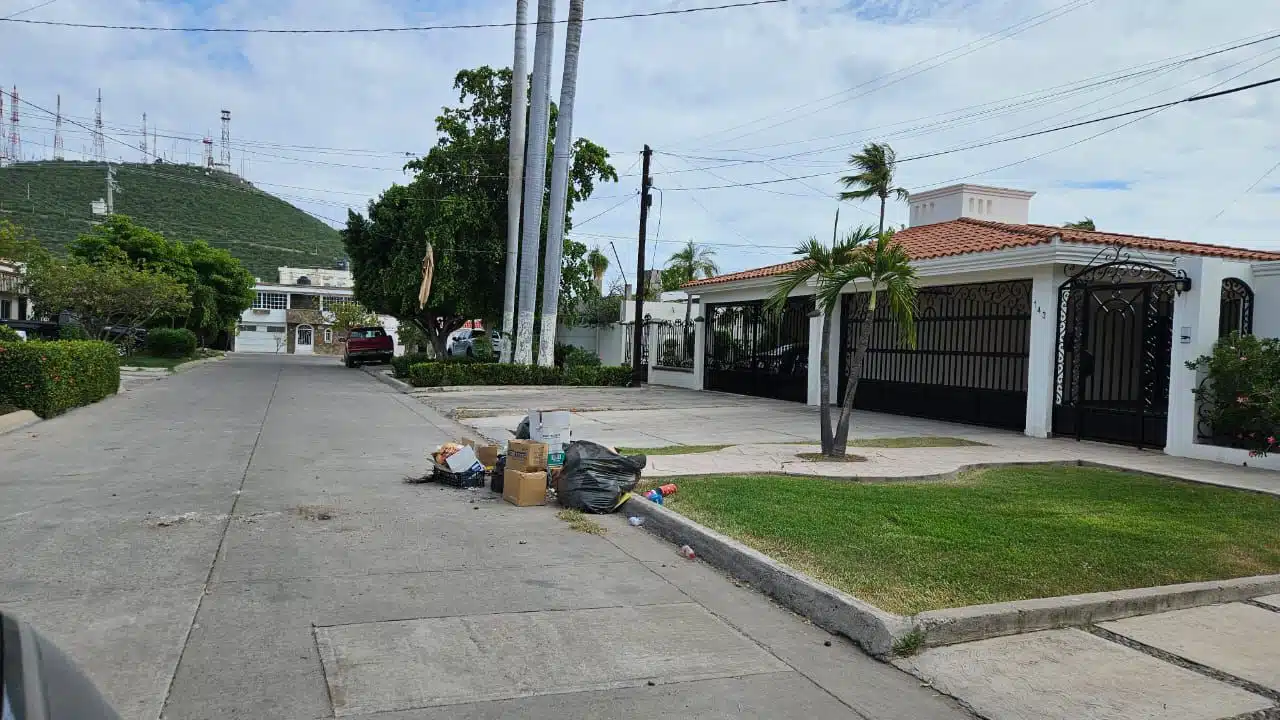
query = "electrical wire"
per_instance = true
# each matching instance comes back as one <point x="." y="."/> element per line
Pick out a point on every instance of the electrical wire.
<point x="397" y="29"/>
<point x="24" y="12"/>
<point x="611" y="208"/>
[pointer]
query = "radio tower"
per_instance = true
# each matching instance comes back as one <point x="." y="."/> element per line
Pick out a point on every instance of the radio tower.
<point x="208" y="153"/>
<point x="142" y="146"/>
<point x="225" y="159"/>
<point x="99" y="141"/>
<point x="15" y="135"/>
<point x="57" y="131"/>
<point x="4" y="155"/>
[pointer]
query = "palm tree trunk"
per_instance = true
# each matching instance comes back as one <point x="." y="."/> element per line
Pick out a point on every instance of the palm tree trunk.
<point x="883" y="200"/>
<point x="560" y="187"/>
<point x="535" y="178"/>
<point x="841" y="441"/>
<point x="515" y="172"/>
<point x="824" y="387"/>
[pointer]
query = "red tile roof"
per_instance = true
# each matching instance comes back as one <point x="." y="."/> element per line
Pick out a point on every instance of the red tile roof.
<point x="967" y="235"/>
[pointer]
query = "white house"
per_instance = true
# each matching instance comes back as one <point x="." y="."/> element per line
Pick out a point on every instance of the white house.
<point x="294" y="315"/>
<point x="1042" y="329"/>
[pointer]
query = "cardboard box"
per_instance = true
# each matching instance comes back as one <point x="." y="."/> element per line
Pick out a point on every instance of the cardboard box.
<point x="524" y="489"/>
<point x="464" y="460"/>
<point x="486" y="454"/>
<point x="551" y="427"/>
<point x="526" y="455"/>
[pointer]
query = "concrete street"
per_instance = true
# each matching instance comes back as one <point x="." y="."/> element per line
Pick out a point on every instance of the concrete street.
<point x="238" y="541"/>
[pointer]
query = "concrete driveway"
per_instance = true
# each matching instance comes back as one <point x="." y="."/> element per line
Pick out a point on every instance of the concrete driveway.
<point x="238" y="541"/>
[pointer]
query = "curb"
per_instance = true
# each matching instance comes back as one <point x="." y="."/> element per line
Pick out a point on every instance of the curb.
<point x="830" y="609"/>
<point x="384" y="376"/>
<point x="17" y="420"/>
<point x="978" y="622"/>
<point x="483" y="388"/>
<point x="196" y="363"/>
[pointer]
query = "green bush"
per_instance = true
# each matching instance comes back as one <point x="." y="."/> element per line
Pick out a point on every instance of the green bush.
<point x="400" y="365"/>
<point x="482" y="348"/>
<point x="1240" y="396"/>
<point x="171" y="343"/>
<point x="568" y="356"/>
<point x="50" y="378"/>
<point x="8" y="334"/>
<point x="441" y="374"/>
<point x="72" y="332"/>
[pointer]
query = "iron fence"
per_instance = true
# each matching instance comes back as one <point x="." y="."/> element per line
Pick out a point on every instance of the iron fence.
<point x="675" y="345"/>
<point x="754" y="350"/>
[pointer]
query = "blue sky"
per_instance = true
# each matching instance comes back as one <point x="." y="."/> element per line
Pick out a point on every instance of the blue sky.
<point x="736" y="96"/>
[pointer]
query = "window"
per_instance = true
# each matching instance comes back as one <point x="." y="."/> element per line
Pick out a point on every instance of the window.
<point x="22" y="309"/>
<point x="328" y="335"/>
<point x="275" y="328"/>
<point x="331" y="302"/>
<point x="5" y="308"/>
<point x="364" y="333"/>
<point x="270" y="301"/>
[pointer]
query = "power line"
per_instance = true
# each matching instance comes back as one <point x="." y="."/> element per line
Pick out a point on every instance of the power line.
<point x="611" y="208"/>
<point x="397" y="29"/>
<point x="1247" y="190"/>
<point x="24" y="12"/>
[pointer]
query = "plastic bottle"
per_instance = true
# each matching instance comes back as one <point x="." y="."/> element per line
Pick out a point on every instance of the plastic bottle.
<point x="687" y="551"/>
<point x="655" y="496"/>
<point x="668" y="489"/>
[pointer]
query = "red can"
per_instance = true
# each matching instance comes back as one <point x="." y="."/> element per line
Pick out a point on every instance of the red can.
<point x="668" y="489"/>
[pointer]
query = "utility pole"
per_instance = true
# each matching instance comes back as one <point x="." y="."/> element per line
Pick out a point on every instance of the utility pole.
<point x="637" y="338"/>
<point x="112" y="186"/>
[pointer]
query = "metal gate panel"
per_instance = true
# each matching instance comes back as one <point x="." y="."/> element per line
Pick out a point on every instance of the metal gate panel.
<point x="970" y="360"/>
<point x="752" y="350"/>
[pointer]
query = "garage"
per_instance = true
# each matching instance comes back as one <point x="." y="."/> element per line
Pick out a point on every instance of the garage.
<point x="261" y="339"/>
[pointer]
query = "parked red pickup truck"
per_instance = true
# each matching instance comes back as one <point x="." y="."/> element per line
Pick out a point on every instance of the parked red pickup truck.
<point x="367" y="344"/>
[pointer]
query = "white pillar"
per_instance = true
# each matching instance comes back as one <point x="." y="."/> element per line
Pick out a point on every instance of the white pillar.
<point x="654" y="349"/>
<point x="1043" y="351"/>
<point x="699" y="353"/>
<point x="814" y="394"/>
<point x="1195" y="331"/>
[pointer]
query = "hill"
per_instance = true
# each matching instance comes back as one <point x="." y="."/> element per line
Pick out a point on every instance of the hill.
<point x="51" y="199"/>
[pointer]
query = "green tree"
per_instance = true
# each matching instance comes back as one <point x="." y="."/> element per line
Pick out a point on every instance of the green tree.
<point x="456" y="203"/>
<point x="351" y="315"/>
<point x="104" y="294"/>
<point x="818" y="264"/>
<point x="223" y="290"/>
<point x="1085" y="224"/>
<point x="599" y="264"/>
<point x="875" y="167"/>
<point x="16" y="245"/>
<point x="883" y="273"/>
<point x="690" y="262"/>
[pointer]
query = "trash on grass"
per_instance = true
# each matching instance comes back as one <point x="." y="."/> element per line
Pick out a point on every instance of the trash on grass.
<point x="635" y="521"/>
<point x="668" y="489"/>
<point x="654" y="495"/>
<point x="596" y="480"/>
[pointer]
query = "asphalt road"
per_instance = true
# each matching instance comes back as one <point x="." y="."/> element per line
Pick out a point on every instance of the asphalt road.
<point x="238" y="541"/>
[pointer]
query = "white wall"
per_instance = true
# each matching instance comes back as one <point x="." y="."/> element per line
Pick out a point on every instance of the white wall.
<point x="1266" y="299"/>
<point x="324" y="277"/>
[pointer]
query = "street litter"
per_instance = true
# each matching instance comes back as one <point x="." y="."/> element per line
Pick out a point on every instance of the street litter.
<point x="654" y="495"/>
<point x="668" y="490"/>
<point x="597" y="480"/>
<point x="457" y="465"/>
<point x="687" y="551"/>
<point x="635" y="521"/>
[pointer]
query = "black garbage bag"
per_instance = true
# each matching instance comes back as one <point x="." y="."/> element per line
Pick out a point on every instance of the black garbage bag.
<point x="522" y="430"/>
<point x="594" y="477"/>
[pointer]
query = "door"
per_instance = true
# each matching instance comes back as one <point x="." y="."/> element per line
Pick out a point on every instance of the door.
<point x="304" y="342"/>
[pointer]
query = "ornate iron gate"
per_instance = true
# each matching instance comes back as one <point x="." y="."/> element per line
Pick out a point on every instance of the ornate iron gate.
<point x="644" y="348"/>
<point x="754" y="351"/>
<point x="970" y="360"/>
<point x="1115" y="339"/>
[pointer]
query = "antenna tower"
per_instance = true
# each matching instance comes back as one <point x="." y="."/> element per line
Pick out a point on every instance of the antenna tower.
<point x="4" y="154"/>
<point x="154" y="156"/>
<point x="225" y="159"/>
<point x="57" y="132"/>
<point x="143" y="144"/>
<point x="99" y="140"/>
<point x="208" y="152"/>
<point x="15" y="135"/>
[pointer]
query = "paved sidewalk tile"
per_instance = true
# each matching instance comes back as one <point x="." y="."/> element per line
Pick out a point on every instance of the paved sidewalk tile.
<point x="1272" y="601"/>
<point x="1069" y="675"/>
<point x="1238" y="639"/>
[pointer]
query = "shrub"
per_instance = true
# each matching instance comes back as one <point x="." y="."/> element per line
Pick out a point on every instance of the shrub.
<point x="171" y="343"/>
<point x="482" y="348"/>
<point x="573" y="356"/>
<point x="400" y="365"/>
<point x="8" y="334"/>
<point x="72" y="332"/>
<point x="50" y="378"/>
<point x="441" y="374"/>
<point x="1240" y="396"/>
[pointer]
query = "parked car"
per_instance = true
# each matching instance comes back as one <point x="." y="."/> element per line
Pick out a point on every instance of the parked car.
<point x="126" y="339"/>
<point x="367" y="344"/>
<point x="462" y="342"/>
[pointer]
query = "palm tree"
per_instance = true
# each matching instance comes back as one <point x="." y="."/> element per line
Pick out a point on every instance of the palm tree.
<point x="882" y="271"/>
<point x="689" y="263"/>
<point x="1085" y="224"/>
<point x="875" y="166"/>
<point x="598" y="263"/>
<point x="819" y="262"/>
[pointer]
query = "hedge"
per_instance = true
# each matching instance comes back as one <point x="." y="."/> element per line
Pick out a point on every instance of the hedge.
<point x="437" y="374"/>
<point x="9" y="334"/>
<point x="400" y="365"/>
<point x="171" y="343"/>
<point x="50" y="378"/>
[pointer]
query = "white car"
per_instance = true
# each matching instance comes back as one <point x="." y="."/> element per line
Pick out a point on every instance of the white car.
<point x="462" y="342"/>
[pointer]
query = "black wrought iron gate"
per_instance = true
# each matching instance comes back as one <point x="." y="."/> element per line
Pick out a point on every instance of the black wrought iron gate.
<point x="751" y="350"/>
<point x="970" y="360"/>
<point x="1115" y="340"/>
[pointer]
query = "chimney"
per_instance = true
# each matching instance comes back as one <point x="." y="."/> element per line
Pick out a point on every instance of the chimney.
<point x="979" y="202"/>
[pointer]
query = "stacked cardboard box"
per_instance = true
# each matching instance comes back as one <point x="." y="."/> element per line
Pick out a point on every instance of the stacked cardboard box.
<point x="525" y="481"/>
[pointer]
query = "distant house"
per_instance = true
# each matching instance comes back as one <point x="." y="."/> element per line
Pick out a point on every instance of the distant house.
<point x="295" y="314"/>
<point x="13" y="301"/>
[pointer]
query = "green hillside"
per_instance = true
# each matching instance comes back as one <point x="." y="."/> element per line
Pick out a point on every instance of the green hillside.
<point x="52" y="200"/>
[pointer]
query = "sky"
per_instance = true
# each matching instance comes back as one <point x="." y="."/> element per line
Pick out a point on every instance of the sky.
<point x="745" y="97"/>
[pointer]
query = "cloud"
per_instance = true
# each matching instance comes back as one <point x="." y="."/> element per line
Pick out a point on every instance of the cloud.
<point x="801" y="85"/>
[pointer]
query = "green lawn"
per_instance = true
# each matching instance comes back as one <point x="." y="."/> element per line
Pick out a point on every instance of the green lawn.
<point x="670" y="450"/>
<point x="993" y="535"/>
<point x="913" y="442"/>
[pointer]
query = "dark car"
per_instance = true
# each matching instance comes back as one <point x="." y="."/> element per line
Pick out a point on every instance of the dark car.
<point x="367" y="344"/>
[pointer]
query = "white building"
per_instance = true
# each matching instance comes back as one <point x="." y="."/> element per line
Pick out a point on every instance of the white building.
<point x="295" y="316"/>
<point x="1042" y="329"/>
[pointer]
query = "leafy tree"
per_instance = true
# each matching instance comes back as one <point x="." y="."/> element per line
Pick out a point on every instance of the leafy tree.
<point x="105" y="294"/>
<point x="819" y="264"/>
<point x="884" y="269"/>
<point x="351" y="315"/>
<point x="456" y="202"/>
<point x="875" y="166"/>
<point x="689" y="263"/>
<point x="1085" y="224"/>
<point x="598" y="263"/>
<point x="223" y="290"/>
<point x="16" y="245"/>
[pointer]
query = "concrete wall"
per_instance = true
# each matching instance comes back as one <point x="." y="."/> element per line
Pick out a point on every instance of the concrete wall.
<point x="690" y="379"/>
